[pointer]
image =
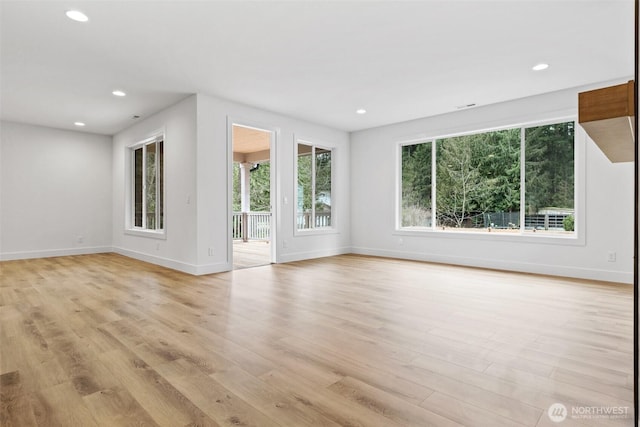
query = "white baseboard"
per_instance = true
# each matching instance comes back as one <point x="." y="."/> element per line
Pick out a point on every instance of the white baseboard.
<point x="196" y="270"/>
<point x="524" y="267"/>
<point x="213" y="268"/>
<point x="152" y="259"/>
<point x="199" y="270"/>
<point x="301" y="256"/>
<point x="49" y="253"/>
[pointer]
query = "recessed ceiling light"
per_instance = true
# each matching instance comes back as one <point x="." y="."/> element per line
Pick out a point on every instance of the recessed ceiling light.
<point x="361" y="111"/>
<point x="80" y="124"/>
<point x="462" y="107"/>
<point x="76" y="15"/>
<point x="118" y="93"/>
<point x="540" y="67"/>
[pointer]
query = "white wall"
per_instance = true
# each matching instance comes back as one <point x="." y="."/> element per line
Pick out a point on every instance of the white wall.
<point x="55" y="196"/>
<point x="197" y="174"/>
<point x="178" y="249"/>
<point x="608" y="199"/>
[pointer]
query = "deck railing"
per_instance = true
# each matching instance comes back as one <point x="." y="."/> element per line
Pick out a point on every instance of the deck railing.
<point x="251" y="226"/>
<point x="305" y="221"/>
<point x="257" y="225"/>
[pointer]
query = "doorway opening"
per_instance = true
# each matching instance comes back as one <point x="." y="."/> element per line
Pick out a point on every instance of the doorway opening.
<point x="253" y="224"/>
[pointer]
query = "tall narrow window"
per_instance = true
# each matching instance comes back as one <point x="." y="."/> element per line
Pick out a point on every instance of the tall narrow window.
<point x="550" y="178"/>
<point x="148" y="185"/>
<point x="138" y="186"/>
<point x="314" y="186"/>
<point x="416" y="208"/>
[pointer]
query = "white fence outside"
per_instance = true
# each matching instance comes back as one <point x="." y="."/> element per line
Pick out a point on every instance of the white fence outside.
<point x="257" y="225"/>
<point x="251" y="226"/>
<point x="322" y="219"/>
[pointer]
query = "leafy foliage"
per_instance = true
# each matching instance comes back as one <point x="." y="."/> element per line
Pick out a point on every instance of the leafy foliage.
<point x="549" y="172"/>
<point x="313" y="191"/>
<point x="321" y="194"/>
<point x="416" y="185"/>
<point x="259" y="188"/>
<point x="305" y="192"/>
<point x="237" y="201"/>
<point x="476" y="174"/>
<point x="569" y="223"/>
<point x="323" y="180"/>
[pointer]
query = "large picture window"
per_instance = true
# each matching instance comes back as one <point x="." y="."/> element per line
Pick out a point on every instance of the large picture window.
<point x="479" y="182"/>
<point x="147" y="207"/>
<point x="314" y="187"/>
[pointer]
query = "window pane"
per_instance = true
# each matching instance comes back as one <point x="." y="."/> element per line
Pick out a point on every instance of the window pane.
<point x="151" y="189"/>
<point x="323" y="188"/>
<point x="478" y="181"/>
<point x="416" y="185"/>
<point x="160" y="196"/>
<point x="137" y="187"/>
<point x="549" y="178"/>
<point x="305" y="194"/>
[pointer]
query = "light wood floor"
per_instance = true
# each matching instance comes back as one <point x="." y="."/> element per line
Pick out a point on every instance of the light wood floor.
<point x="251" y="254"/>
<point x="349" y="340"/>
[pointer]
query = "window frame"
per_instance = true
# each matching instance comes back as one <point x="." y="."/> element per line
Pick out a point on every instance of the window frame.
<point x="331" y="229"/>
<point x="130" y="227"/>
<point x="399" y="211"/>
<point x="577" y="238"/>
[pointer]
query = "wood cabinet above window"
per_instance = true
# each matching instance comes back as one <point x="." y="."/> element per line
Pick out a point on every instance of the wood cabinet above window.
<point x="607" y="115"/>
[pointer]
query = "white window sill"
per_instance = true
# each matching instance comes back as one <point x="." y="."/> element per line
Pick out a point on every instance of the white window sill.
<point x="526" y="237"/>
<point x="153" y="234"/>
<point x="315" y="231"/>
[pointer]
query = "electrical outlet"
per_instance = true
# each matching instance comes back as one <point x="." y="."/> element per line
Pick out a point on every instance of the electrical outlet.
<point x="80" y="239"/>
<point x="400" y="241"/>
<point x="211" y="252"/>
<point x="284" y="243"/>
<point x="611" y="257"/>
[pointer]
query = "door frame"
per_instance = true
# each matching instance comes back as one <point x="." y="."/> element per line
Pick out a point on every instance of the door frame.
<point x="274" y="178"/>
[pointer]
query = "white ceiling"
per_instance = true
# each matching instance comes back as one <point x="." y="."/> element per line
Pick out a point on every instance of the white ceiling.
<point x="315" y="60"/>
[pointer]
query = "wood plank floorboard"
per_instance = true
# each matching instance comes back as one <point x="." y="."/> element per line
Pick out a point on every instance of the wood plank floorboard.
<point x="104" y="340"/>
<point x="251" y="254"/>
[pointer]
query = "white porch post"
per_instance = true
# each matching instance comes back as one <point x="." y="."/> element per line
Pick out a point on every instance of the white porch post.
<point x="245" y="178"/>
<point x="245" y="200"/>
